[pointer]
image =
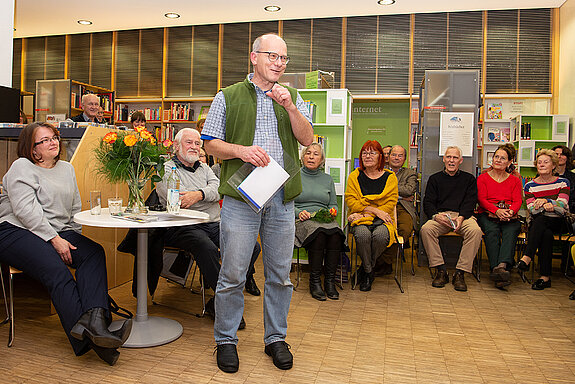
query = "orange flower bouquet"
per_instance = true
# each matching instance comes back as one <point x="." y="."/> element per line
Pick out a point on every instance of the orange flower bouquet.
<point x="133" y="158"/>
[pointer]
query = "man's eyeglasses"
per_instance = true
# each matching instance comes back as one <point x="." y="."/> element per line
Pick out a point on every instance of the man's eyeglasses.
<point x="273" y="57"/>
<point x="365" y="154"/>
<point x="47" y="140"/>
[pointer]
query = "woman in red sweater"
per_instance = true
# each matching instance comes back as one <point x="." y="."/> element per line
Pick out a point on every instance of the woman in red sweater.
<point x="499" y="192"/>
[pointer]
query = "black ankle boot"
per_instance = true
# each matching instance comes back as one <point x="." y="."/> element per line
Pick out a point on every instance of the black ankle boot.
<point x="331" y="260"/>
<point x="316" y="261"/>
<point x="365" y="285"/>
<point x="109" y="355"/>
<point x="92" y="324"/>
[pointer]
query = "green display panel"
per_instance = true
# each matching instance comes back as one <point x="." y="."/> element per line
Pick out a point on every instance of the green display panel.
<point x="385" y="121"/>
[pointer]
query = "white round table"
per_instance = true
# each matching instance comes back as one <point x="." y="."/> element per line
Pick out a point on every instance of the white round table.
<point x="147" y="331"/>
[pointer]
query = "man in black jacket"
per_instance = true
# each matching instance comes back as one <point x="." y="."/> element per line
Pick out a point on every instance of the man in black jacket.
<point x="450" y="198"/>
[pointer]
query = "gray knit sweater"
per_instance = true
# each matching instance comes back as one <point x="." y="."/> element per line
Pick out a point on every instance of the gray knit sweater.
<point x="201" y="179"/>
<point x="41" y="200"/>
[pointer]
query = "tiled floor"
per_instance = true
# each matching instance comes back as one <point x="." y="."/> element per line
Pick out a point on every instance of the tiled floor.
<point x="426" y="335"/>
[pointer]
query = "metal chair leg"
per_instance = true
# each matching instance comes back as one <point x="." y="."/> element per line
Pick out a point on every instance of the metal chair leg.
<point x="7" y="319"/>
<point x="11" y="334"/>
<point x="412" y="252"/>
<point x="399" y="267"/>
<point x="340" y="283"/>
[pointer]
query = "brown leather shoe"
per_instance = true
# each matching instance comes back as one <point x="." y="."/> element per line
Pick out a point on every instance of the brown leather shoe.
<point x="459" y="281"/>
<point x="441" y="278"/>
<point x="500" y="274"/>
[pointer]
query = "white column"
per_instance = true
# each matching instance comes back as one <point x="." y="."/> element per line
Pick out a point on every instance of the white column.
<point x="6" y="42"/>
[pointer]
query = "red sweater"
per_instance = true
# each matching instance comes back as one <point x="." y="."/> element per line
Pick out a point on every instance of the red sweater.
<point x="490" y="192"/>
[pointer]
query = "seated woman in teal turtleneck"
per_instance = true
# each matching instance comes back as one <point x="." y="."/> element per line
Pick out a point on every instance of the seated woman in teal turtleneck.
<point x="316" y="229"/>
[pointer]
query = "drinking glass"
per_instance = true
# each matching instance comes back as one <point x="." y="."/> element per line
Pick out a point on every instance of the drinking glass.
<point x="95" y="202"/>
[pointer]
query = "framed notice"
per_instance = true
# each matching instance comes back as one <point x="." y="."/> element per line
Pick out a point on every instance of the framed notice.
<point x="456" y="128"/>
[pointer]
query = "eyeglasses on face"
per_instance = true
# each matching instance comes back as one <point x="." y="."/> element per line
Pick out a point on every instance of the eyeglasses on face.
<point x="273" y="57"/>
<point x="47" y="140"/>
<point x="371" y="153"/>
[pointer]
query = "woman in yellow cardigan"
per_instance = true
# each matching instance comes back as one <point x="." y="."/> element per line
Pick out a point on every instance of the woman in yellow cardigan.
<point x="371" y="196"/>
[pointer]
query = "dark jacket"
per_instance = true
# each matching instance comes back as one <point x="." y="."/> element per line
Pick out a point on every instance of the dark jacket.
<point x="456" y="193"/>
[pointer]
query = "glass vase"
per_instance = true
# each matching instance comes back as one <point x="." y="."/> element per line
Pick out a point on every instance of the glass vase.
<point x="136" y="201"/>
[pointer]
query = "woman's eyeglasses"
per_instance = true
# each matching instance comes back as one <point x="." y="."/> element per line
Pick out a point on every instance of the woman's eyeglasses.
<point x="47" y="140"/>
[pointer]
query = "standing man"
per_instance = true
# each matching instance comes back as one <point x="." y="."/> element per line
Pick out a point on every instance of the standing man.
<point x="90" y="106"/>
<point x="450" y="198"/>
<point x="249" y="122"/>
<point x="406" y="216"/>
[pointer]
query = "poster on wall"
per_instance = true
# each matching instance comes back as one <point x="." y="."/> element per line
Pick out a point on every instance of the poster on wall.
<point x="456" y="128"/>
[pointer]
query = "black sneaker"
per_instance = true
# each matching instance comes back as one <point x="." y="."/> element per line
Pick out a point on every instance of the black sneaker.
<point x="279" y="351"/>
<point x="227" y="356"/>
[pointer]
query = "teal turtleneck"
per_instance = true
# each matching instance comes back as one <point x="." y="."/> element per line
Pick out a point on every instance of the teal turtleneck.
<point x="318" y="191"/>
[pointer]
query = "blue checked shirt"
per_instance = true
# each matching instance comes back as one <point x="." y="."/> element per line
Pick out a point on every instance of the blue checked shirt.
<point x="266" y="133"/>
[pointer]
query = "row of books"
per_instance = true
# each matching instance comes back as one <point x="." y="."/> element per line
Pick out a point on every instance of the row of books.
<point x="180" y="111"/>
<point x="167" y="132"/>
<point x="311" y="107"/>
<point x="123" y="113"/>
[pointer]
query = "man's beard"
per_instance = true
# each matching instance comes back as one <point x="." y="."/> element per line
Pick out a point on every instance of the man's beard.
<point x="189" y="157"/>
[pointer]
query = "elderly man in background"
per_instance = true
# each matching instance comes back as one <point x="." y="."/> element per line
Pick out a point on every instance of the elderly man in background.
<point x="449" y="202"/>
<point x="90" y="107"/>
<point x="198" y="191"/>
<point x="406" y="216"/>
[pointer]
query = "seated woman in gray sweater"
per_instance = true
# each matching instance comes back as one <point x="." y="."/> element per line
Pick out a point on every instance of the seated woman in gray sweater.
<point x="318" y="237"/>
<point x="39" y="236"/>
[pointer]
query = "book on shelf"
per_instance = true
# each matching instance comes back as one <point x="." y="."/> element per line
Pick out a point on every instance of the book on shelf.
<point x="312" y="107"/>
<point x="494" y="111"/>
<point x="414" y="115"/>
<point x="181" y="111"/>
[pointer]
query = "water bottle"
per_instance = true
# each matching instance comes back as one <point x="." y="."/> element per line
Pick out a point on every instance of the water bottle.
<point x="173" y="198"/>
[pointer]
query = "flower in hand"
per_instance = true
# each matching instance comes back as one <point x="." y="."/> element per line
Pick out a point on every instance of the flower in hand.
<point x="333" y="212"/>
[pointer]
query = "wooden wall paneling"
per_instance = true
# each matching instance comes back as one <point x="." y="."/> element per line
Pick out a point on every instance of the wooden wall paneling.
<point x="119" y="266"/>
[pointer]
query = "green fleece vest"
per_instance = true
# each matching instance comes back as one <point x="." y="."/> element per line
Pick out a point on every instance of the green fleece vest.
<point x="241" y="107"/>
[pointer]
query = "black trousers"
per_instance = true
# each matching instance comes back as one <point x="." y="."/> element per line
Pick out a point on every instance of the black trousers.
<point x="540" y="239"/>
<point x="203" y="241"/>
<point x="37" y="258"/>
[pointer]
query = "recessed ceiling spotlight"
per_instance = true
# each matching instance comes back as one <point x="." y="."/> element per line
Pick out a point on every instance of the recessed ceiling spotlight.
<point x="271" y="8"/>
<point x="385" y="2"/>
<point x="84" y="22"/>
<point x="172" y="15"/>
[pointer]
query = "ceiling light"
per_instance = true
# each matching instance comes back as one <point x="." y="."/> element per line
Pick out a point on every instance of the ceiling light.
<point x="385" y="2"/>
<point x="172" y="15"/>
<point x="271" y="8"/>
<point x="84" y="22"/>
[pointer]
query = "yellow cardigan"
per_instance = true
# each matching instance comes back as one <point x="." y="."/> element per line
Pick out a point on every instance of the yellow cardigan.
<point x="356" y="202"/>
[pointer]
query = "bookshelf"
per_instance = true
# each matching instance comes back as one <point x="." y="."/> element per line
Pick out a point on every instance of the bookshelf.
<point x="62" y="99"/>
<point x="164" y="116"/>
<point x="497" y="120"/>
<point x="331" y="115"/>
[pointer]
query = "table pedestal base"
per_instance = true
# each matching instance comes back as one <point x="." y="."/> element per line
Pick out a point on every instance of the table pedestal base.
<point x="151" y="332"/>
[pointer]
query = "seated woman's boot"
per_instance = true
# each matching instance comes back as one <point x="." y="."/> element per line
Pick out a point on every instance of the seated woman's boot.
<point x="331" y="260"/>
<point x="92" y="324"/>
<point x="316" y="261"/>
<point x="365" y="285"/>
<point x="109" y="355"/>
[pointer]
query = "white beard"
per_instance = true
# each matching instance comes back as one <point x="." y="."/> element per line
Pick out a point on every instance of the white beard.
<point x="189" y="157"/>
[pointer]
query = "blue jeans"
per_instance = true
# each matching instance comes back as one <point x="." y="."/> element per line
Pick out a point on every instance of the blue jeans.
<point x="239" y="230"/>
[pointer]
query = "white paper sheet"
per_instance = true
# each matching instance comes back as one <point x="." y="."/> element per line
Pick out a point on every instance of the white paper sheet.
<point x="263" y="183"/>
